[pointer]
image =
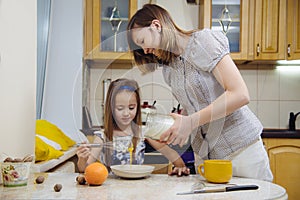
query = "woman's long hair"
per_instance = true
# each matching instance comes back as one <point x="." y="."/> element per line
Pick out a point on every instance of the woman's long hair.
<point x="110" y="123"/>
<point x="143" y="18"/>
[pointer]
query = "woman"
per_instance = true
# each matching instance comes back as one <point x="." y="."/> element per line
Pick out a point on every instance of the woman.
<point x="206" y="82"/>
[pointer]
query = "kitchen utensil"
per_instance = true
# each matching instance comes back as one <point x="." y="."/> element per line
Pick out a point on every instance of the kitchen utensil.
<point x="156" y="124"/>
<point x="173" y="110"/>
<point x="95" y="145"/>
<point x="132" y="171"/>
<point x="147" y="109"/>
<point x="223" y="189"/>
<point x="153" y="104"/>
<point x="178" y="109"/>
<point x="203" y="184"/>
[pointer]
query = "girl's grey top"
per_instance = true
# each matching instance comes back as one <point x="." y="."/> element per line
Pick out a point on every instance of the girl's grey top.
<point x="195" y="87"/>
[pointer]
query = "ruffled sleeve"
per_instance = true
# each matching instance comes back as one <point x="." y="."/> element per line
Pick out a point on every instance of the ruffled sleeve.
<point x="207" y="48"/>
<point x="100" y="134"/>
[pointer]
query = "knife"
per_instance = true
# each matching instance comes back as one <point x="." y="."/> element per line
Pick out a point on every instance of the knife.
<point x="225" y="189"/>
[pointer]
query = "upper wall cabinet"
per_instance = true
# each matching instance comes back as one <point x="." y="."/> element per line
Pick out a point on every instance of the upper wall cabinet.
<point x="105" y="29"/>
<point x="276" y="29"/>
<point x="269" y="29"/>
<point x="258" y="29"/>
<point x="231" y="17"/>
<point x="293" y="30"/>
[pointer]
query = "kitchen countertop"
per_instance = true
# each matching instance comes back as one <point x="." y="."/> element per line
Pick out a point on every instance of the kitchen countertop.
<point x="155" y="186"/>
<point x="280" y="133"/>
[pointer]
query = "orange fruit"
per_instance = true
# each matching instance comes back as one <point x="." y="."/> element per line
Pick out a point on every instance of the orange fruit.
<point x="95" y="173"/>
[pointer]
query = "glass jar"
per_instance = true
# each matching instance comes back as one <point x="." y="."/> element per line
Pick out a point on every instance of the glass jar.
<point x="156" y="124"/>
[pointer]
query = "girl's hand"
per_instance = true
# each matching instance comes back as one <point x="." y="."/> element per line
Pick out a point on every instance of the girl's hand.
<point x="83" y="152"/>
<point x="179" y="131"/>
<point x="180" y="171"/>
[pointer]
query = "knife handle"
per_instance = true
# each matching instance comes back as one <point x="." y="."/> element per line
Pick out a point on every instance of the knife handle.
<point x="241" y="187"/>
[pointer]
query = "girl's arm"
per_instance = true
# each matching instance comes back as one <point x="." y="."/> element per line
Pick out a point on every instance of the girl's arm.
<point x="83" y="153"/>
<point x="87" y="155"/>
<point x="172" y="156"/>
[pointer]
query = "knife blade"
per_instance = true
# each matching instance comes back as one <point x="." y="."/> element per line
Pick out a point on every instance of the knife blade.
<point x="224" y="189"/>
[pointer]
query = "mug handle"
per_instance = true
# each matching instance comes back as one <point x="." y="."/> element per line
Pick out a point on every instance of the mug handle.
<point x="201" y="169"/>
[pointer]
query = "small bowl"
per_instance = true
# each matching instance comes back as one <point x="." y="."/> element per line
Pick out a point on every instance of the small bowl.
<point x="15" y="174"/>
<point x="132" y="171"/>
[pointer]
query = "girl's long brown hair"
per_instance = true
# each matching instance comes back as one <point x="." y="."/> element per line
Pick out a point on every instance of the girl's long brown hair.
<point x="110" y="124"/>
<point x="143" y="18"/>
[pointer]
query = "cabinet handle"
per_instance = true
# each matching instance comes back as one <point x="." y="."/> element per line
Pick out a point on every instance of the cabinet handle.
<point x="289" y="50"/>
<point x="257" y="50"/>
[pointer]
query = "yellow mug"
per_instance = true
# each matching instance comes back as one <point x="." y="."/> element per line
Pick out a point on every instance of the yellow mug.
<point x="216" y="171"/>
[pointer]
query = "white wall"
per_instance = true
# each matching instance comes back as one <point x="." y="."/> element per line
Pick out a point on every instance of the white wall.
<point x="17" y="77"/>
<point x="185" y="15"/>
<point x="63" y="86"/>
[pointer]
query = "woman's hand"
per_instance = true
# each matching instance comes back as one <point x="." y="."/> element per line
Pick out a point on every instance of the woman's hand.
<point x="180" y="171"/>
<point x="179" y="132"/>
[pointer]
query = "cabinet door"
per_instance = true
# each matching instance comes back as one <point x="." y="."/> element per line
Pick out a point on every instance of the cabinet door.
<point x="284" y="157"/>
<point x="210" y="14"/>
<point x="293" y="30"/>
<point x="101" y="41"/>
<point x="270" y="29"/>
<point x="284" y="161"/>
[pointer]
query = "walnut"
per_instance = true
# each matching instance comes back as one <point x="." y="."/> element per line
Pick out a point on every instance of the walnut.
<point x="39" y="179"/>
<point x="81" y="179"/>
<point x="57" y="187"/>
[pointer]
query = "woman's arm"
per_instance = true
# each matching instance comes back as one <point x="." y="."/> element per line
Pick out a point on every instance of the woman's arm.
<point x="172" y="156"/>
<point x="235" y="96"/>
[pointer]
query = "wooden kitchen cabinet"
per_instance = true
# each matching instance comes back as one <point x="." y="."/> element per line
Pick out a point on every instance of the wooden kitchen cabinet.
<point x="209" y="14"/>
<point x="265" y="30"/>
<point x="284" y="155"/>
<point x="269" y="29"/>
<point x="100" y="43"/>
<point x="293" y="29"/>
<point x="276" y="29"/>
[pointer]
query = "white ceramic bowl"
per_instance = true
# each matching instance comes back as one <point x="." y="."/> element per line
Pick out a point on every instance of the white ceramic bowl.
<point x="132" y="171"/>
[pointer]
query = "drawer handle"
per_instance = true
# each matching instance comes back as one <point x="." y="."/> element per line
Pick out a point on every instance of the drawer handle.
<point x="257" y="50"/>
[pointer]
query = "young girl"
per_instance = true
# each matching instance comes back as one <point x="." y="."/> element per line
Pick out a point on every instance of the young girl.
<point x="122" y="130"/>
